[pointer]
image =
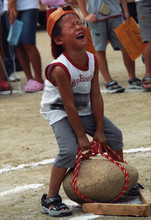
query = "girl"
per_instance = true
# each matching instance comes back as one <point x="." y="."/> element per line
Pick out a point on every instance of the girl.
<point x="72" y="102"/>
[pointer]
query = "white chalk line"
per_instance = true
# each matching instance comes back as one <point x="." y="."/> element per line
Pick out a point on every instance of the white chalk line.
<point x="68" y="202"/>
<point x="102" y="91"/>
<point x="136" y="150"/>
<point x="22" y="166"/>
<point x="18" y="189"/>
<point x="50" y="161"/>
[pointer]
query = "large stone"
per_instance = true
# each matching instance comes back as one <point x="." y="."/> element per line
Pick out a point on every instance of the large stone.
<point x="99" y="180"/>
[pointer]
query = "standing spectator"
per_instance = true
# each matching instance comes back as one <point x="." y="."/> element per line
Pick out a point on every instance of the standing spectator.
<point x="4" y="85"/>
<point x="52" y="5"/>
<point x="27" y="11"/>
<point x="102" y="25"/>
<point x="11" y="60"/>
<point x="144" y="20"/>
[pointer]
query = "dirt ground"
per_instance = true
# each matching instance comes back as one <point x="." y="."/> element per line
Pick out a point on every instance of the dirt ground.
<point x="27" y="140"/>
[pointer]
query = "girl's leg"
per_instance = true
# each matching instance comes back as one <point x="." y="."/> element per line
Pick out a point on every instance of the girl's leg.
<point x="129" y="64"/>
<point x="112" y="133"/>
<point x="103" y="66"/>
<point x="66" y="157"/>
<point x="119" y="152"/>
<point x="35" y="60"/>
<point x="56" y="178"/>
<point x="24" y="61"/>
<point x="28" y="42"/>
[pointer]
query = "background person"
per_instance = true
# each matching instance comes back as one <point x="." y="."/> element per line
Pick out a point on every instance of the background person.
<point x="27" y="52"/>
<point x="102" y="27"/>
<point x="4" y="85"/>
<point x="144" y="20"/>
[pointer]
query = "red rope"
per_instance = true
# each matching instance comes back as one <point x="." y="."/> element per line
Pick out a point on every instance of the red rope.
<point x="95" y="149"/>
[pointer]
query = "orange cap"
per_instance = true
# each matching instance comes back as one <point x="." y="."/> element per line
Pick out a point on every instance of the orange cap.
<point x="54" y="17"/>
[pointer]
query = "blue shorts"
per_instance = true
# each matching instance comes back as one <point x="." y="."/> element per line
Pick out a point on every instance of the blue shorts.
<point x="68" y="143"/>
<point x="29" y="18"/>
<point x="103" y="31"/>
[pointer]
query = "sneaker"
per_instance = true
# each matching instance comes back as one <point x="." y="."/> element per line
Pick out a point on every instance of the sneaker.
<point x="4" y="86"/>
<point x="135" y="190"/>
<point x="113" y="87"/>
<point x="135" y="83"/>
<point x="14" y="78"/>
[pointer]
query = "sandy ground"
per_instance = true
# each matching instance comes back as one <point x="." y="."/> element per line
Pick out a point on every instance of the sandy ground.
<point x="27" y="140"/>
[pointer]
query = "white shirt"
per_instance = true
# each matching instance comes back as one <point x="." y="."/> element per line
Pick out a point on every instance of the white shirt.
<point x="23" y="4"/>
<point x="80" y="79"/>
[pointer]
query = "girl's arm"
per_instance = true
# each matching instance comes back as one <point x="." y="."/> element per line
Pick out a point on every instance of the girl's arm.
<point x="88" y="17"/>
<point x="60" y="77"/>
<point x="12" y="11"/>
<point x="125" y="9"/>
<point x="97" y="109"/>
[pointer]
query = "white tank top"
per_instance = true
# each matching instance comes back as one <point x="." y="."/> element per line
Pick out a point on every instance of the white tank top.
<point x="80" y="78"/>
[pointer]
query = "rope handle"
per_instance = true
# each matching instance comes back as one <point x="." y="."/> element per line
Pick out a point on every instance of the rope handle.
<point x="96" y="148"/>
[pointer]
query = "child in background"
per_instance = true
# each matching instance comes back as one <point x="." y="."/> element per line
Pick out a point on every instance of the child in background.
<point x="103" y="17"/>
<point x="52" y="5"/>
<point x="72" y="102"/>
<point x="4" y="85"/>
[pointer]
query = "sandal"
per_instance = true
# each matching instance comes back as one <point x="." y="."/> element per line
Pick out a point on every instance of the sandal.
<point x="113" y="87"/>
<point x="58" y="208"/>
<point x="33" y="86"/>
<point x="135" y="83"/>
<point x="146" y="83"/>
<point x="134" y="191"/>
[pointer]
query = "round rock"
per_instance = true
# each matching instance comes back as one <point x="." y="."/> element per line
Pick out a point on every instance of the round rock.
<point x="99" y="180"/>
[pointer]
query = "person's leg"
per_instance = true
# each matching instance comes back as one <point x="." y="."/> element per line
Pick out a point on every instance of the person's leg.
<point x="35" y="60"/>
<point x="100" y="42"/>
<point x="113" y="134"/>
<point x="114" y="138"/>
<point x="56" y="179"/>
<point x="24" y="61"/>
<point x="103" y="66"/>
<point x="2" y="74"/>
<point x="144" y="20"/>
<point x="133" y="81"/>
<point x="147" y="56"/>
<point x="28" y="41"/>
<point x="129" y="64"/>
<point x="66" y="157"/>
<point x="4" y="85"/>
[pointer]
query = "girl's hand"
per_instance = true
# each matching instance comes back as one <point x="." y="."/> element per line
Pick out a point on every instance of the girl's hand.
<point x="84" y="143"/>
<point x="100" y="138"/>
<point x="91" y="18"/>
<point x="12" y="11"/>
<point x="126" y="16"/>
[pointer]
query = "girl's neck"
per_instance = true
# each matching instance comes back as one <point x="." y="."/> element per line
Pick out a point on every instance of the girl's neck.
<point x="80" y="58"/>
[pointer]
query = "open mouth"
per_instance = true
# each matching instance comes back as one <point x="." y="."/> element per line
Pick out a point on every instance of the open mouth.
<point x="80" y="36"/>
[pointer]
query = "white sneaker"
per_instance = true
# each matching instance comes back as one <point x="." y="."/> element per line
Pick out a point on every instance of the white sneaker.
<point x="14" y="78"/>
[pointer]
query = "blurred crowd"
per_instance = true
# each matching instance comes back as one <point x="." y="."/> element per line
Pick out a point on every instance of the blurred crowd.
<point x="24" y="55"/>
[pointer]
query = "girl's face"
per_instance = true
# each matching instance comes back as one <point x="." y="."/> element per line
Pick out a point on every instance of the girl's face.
<point x="73" y="35"/>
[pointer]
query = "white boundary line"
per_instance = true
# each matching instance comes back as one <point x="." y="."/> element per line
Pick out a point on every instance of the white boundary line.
<point x="22" y="166"/>
<point x="50" y="161"/>
<point x="20" y="188"/>
<point x="102" y="91"/>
